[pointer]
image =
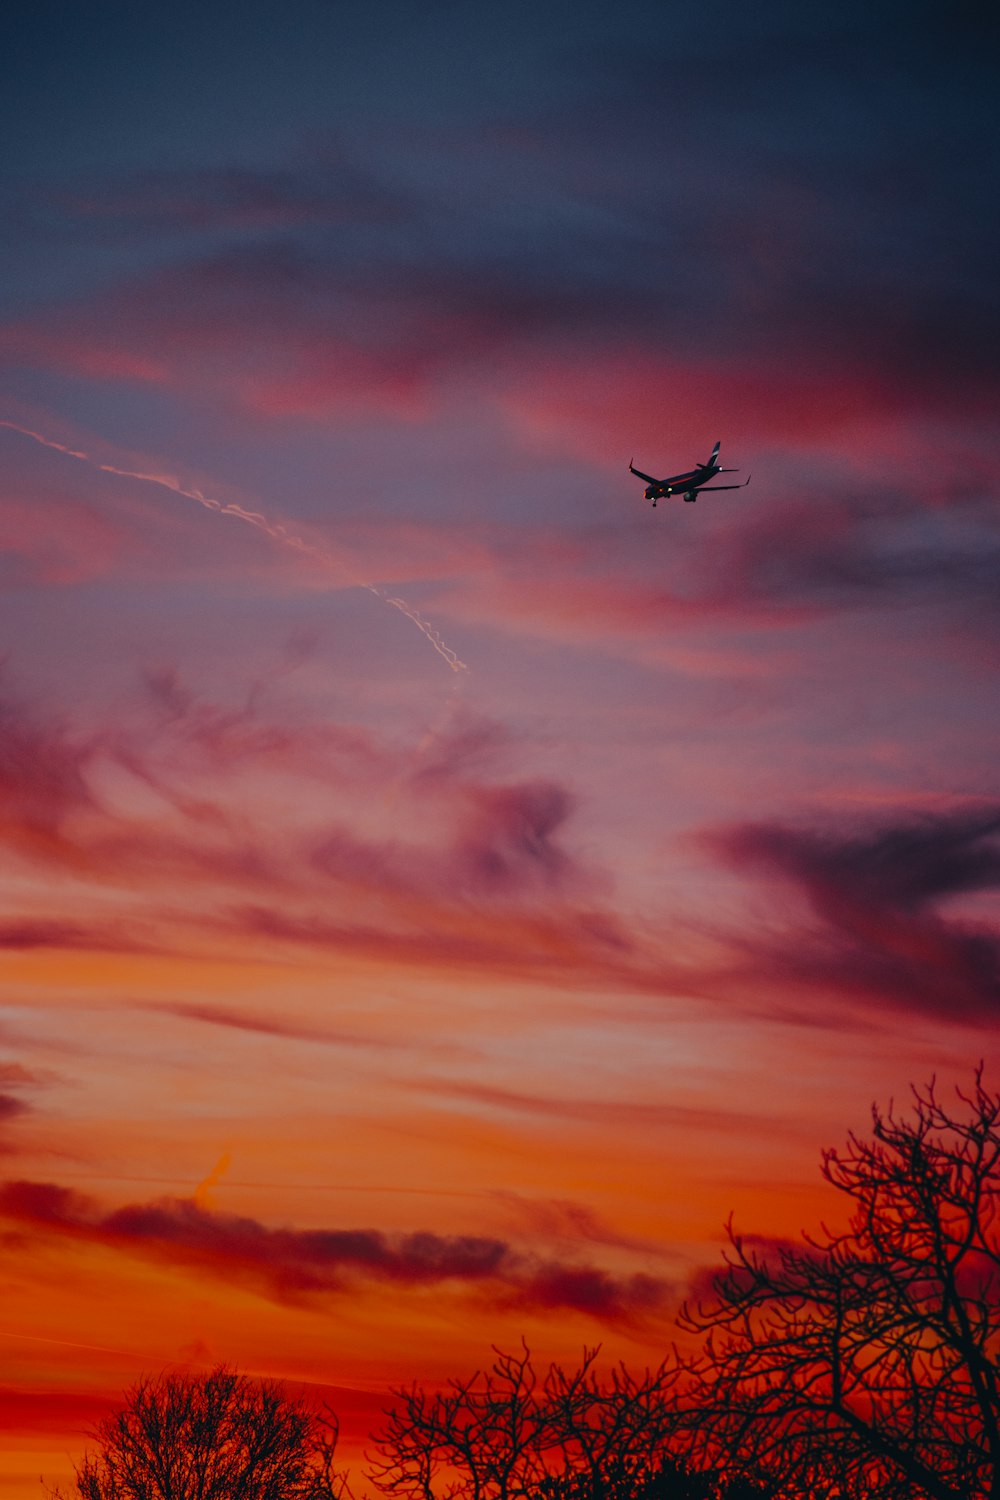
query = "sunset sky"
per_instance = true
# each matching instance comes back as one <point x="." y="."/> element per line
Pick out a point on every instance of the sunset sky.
<point x="438" y="887"/>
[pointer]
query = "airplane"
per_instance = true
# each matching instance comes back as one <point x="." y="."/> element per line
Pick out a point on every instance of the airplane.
<point x="691" y="484"/>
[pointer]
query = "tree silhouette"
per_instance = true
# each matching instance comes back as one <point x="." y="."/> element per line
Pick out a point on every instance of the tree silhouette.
<point x="485" y="1438"/>
<point x="505" y="1434"/>
<point x="865" y="1363"/>
<point x="220" y="1436"/>
<point x="862" y="1362"/>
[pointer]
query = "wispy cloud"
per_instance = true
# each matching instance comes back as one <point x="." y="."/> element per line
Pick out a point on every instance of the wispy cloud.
<point x="480" y="874"/>
<point x="16" y="1081"/>
<point x="239" y="1019"/>
<point x="623" y="1114"/>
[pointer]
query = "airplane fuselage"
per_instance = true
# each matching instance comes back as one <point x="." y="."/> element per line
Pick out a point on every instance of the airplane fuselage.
<point x="690" y="482"/>
<point x="683" y="484"/>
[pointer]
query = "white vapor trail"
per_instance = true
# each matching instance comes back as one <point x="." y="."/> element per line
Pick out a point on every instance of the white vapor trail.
<point x="276" y="530"/>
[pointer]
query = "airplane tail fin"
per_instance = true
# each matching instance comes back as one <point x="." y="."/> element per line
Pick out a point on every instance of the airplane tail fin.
<point x="715" y="452"/>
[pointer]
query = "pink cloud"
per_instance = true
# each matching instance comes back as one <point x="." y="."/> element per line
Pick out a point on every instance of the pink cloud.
<point x="479" y="875"/>
<point x="54" y="538"/>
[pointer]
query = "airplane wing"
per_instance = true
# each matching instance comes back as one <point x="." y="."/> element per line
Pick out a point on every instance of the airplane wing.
<point x="647" y="477"/>
<point x="706" y="489"/>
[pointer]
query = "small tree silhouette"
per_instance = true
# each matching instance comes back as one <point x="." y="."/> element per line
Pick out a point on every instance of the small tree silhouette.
<point x="865" y="1363"/>
<point x="506" y="1434"/>
<point x="484" y="1438"/>
<point x="220" y="1436"/>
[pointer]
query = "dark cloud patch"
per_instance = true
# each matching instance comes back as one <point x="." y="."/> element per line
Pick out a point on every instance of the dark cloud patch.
<point x="511" y="838"/>
<point x="589" y="1290"/>
<point x="289" y="327"/>
<point x="168" y="691"/>
<point x="704" y="249"/>
<point x="15" y="1079"/>
<point x="772" y="1251"/>
<point x="505" y="846"/>
<point x="289" y="1264"/>
<point x="50" y="933"/>
<point x="831" y="168"/>
<point x="929" y="541"/>
<point x="64" y="933"/>
<point x="854" y="551"/>
<point x="42" y="774"/>
<point x="876" y="898"/>
<point x="42" y="1203"/>
<point x="819" y="183"/>
<point x="904" y="865"/>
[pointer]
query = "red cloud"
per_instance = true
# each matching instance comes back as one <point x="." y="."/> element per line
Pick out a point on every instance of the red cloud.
<point x="288" y="1264"/>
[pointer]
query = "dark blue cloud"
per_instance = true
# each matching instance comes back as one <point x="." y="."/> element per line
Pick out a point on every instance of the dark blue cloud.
<point x="879" y="933"/>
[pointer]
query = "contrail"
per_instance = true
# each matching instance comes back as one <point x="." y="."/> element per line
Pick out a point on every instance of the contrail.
<point x="203" y="1192"/>
<point x="274" y="529"/>
<point x="38" y="1338"/>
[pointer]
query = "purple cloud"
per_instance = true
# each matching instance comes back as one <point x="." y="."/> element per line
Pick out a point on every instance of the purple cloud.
<point x="874" y="895"/>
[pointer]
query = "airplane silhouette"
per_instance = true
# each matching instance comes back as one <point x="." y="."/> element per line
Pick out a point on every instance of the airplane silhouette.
<point x="691" y="483"/>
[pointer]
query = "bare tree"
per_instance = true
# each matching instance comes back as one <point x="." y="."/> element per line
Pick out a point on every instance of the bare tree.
<point x="865" y="1363"/>
<point x="484" y="1438"/>
<point x="220" y="1436"/>
<point x="610" y="1432"/>
<point x="506" y="1434"/>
